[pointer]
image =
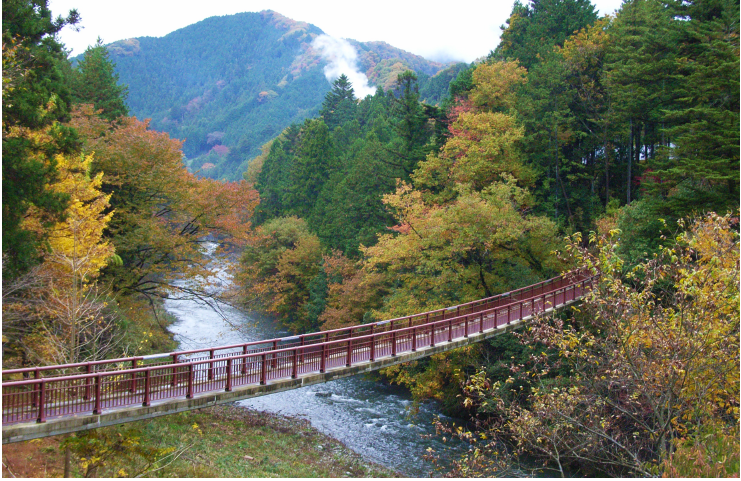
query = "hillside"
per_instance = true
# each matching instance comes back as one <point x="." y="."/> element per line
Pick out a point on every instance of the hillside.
<point x="229" y="84"/>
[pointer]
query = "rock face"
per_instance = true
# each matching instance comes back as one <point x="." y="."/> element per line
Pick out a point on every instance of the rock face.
<point x="244" y="77"/>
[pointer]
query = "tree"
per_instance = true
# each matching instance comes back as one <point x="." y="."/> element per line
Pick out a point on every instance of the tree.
<point x="66" y="316"/>
<point x="313" y="165"/>
<point x="163" y="214"/>
<point x="34" y="99"/>
<point x="651" y="356"/>
<point x="409" y="121"/>
<point x="339" y="103"/>
<point x="702" y="163"/>
<point x="533" y="30"/>
<point x="95" y="81"/>
<point x="278" y="265"/>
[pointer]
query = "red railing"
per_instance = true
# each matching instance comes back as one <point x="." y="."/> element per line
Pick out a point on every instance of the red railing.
<point x="57" y="391"/>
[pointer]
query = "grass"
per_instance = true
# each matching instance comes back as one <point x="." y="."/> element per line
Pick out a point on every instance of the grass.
<point x="223" y="441"/>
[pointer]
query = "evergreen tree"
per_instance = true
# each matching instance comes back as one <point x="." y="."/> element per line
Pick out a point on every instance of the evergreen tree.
<point x="703" y="161"/>
<point x="533" y="30"/>
<point x="410" y="125"/>
<point x="34" y="100"/>
<point x="339" y="103"/>
<point x="312" y="167"/>
<point x="95" y="81"/>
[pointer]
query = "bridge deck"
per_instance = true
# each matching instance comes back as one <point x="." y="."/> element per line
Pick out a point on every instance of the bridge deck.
<point x="110" y="392"/>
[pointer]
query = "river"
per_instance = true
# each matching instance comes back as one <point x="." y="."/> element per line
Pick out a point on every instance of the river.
<point x="370" y="417"/>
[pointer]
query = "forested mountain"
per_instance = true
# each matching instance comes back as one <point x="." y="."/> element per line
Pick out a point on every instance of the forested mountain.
<point x="226" y="85"/>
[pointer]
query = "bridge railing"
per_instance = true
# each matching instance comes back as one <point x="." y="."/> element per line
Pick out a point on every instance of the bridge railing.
<point x="40" y="398"/>
<point x="292" y="341"/>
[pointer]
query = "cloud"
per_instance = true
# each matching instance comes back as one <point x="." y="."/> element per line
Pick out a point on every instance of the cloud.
<point x="342" y="59"/>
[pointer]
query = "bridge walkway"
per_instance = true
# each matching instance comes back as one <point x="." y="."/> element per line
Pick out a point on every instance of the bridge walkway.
<point x="122" y="390"/>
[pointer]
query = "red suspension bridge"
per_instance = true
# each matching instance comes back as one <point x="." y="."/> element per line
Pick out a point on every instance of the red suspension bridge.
<point x="45" y="401"/>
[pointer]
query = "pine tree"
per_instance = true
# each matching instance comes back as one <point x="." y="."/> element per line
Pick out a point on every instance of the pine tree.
<point x="95" y="81"/>
<point x="35" y="98"/>
<point x="339" y="103"/>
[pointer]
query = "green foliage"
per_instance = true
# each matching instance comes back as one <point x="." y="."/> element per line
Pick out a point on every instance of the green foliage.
<point x="339" y="103"/>
<point x="533" y="30"/>
<point x="96" y="82"/>
<point x="35" y="99"/>
<point x="281" y="272"/>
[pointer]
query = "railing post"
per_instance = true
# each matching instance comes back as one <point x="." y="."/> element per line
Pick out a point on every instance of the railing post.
<point x="96" y="409"/>
<point x="323" y="360"/>
<point x="42" y="402"/>
<point x="211" y="365"/>
<point x="393" y="343"/>
<point x="414" y="339"/>
<point x="35" y="395"/>
<point x="349" y="352"/>
<point x="244" y="360"/>
<point x="432" y="335"/>
<point x="392" y="326"/>
<point x="228" y="374"/>
<point x="88" y="370"/>
<point x="174" y="370"/>
<point x="275" y="355"/>
<point x="450" y="331"/>
<point x="294" y="372"/>
<point x="189" y="393"/>
<point x="147" y="387"/>
<point x="481" y="322"/>
<point x="133" y="377"/>
<point x="373" y="346"/>
<point x="465" y="327"/>
<point x="301" y="343"/>
<point x="509" y="312"/>
<point x="264" y="370"/>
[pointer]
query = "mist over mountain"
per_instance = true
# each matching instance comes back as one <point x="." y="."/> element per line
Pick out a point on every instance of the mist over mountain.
<point x="226" y="85"/>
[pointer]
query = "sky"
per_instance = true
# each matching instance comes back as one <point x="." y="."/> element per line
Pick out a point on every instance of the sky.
<point x="462" y="30"/>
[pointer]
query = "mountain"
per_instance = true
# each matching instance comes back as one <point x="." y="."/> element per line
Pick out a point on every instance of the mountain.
<point x="226" y="85"/>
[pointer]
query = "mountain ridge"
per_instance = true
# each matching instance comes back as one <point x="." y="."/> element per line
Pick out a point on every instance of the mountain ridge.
<point x="228" y="84"/>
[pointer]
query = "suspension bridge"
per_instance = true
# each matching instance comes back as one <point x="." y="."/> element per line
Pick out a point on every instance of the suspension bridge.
<point x="51" y="400"/>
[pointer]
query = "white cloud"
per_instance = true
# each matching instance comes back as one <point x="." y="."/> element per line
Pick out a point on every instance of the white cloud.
<point x="343" y="59"/>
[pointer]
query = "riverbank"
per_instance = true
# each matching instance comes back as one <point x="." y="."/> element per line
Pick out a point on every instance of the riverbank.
<point x="223" y="441"/>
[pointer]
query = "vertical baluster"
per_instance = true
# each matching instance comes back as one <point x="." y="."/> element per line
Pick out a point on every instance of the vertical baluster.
<point x="349" y="351"/>
<point x="96" y="409"/>
<point x="189" y="393"/>
<point x="133" y="377"/>
<point x="323" y="360"/>
<point x="42" y="402"/>
<point x="35" y="395"/>
<point x="275" y="356"/>
<point x="294" y="370"/>
<point x="244" y="360"/>
<point x="174" y="370"/>
<point x="229" y="374"/>
<point x="88" y="370"/>
<point x="147" y="387"/>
